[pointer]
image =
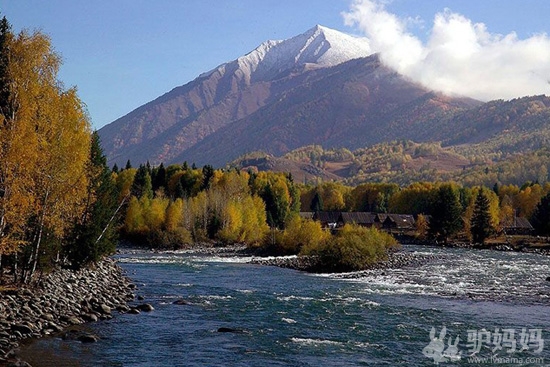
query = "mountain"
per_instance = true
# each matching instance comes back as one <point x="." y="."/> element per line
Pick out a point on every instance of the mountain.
<point x="321" y="87"/>
<point x="162" y="129"/>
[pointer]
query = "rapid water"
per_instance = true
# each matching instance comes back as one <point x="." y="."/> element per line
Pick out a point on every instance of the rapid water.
<point x="289" y="318"/>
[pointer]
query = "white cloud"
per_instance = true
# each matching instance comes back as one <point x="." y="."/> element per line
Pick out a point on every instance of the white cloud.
<point x="459" y="57"/>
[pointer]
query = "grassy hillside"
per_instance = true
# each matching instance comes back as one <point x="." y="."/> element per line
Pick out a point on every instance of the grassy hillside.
<point x="405" y="162"/>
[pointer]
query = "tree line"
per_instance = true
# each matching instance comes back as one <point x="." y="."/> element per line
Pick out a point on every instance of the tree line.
<point x="181" y="206"/>
<point x="55" y="193"/>
<point x="176" y="206"/>
<point x="451" y="209"/>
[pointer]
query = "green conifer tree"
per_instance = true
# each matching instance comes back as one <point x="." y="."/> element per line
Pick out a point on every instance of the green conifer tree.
<point x="317" y="203"/>
<point x="445" y="214"/>
<point x="481" y="227"/>
<point x="142" y="185"/>
<point x="277" y="209"/>
<point x="207" y="175"/>
<point x="541" y="217"/>
<point x="96" y="235"/>
<point x="159" y="177"/>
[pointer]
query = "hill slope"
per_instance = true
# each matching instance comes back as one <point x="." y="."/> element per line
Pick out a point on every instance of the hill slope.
<point x="497" y="142"/>
<point x="352" y="105"/>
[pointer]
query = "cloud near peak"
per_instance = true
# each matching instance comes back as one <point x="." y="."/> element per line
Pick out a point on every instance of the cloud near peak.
<point x="459" y="57"/>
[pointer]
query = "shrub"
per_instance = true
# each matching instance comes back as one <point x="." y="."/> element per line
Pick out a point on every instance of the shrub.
<point x="299" y="234"/>
<point x="352" y="248"/>
<point x="172" y="240"/>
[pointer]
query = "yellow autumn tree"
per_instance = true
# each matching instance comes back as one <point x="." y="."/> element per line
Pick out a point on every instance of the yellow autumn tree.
<point x="134" y="221"/>
<point x="527" y="199"/>
<point x="177" y="233"/>
<point x="507" y="211"/>
<point x="199" y="215"/>
<point x="174" y="215"/>
<point x="414" y="199"/>
<point x="254" y="228"/>
<point x="232" y="222"/>
<point x="244" y="221"/>
<point x="155" y="212"/>
<point x="124" y="182"/>
<point x="333" y="195"/>
<point x="45" y="139"/>
<point x="302" y="235"/>
<point x="232" y="184"/>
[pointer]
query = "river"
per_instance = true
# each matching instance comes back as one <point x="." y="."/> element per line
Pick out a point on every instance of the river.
<point x="476" y="301"/>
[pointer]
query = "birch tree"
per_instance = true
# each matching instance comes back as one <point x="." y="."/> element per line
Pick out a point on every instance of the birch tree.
<point x="44" y="147"/>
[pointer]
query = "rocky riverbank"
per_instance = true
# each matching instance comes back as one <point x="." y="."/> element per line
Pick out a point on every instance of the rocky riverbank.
<point x="59" y="300"/>
<point x="527" y="247"/>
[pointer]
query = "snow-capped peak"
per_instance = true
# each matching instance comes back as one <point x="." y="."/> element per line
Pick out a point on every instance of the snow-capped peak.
<point x="318" y="47"/>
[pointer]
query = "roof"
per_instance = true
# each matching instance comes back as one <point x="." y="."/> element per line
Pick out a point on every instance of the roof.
<point x="327" y="217"/>
<point x="358" y="217"/>
<point x="399" y="220"/>
<point x="517" y="222"/>
<point x="381" y="217"/>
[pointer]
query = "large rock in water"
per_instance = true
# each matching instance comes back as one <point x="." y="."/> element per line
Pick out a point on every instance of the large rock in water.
<point x="145" y="307"/>
<point x="180" y="302"/>
<point x="88" y="338"/>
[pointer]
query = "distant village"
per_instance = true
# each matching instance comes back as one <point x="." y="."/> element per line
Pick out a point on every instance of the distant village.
<point x="399" y="223"/>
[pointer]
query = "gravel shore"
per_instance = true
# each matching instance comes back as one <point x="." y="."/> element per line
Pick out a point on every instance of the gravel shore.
<point x="59" y="300"/>
<point x="395" y="260"/>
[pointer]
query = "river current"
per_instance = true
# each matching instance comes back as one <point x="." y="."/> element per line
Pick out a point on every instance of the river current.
<point x="485" y="308"/>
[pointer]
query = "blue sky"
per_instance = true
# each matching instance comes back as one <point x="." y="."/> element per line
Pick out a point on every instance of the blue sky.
<point x="124" y="53"/>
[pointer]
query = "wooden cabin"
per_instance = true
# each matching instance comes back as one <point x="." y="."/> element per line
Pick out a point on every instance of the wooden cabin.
<point x="517" y="226"/>
<point x="400" y="222"/>
<point x="328" y="219"/>
<point x="364" y="219"/>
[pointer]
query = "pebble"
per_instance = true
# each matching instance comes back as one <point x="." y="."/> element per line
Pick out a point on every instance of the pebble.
<point x="61" y="299"/>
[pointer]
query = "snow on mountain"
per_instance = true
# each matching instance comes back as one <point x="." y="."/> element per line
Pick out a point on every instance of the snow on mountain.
<point x="318" y="47"/>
